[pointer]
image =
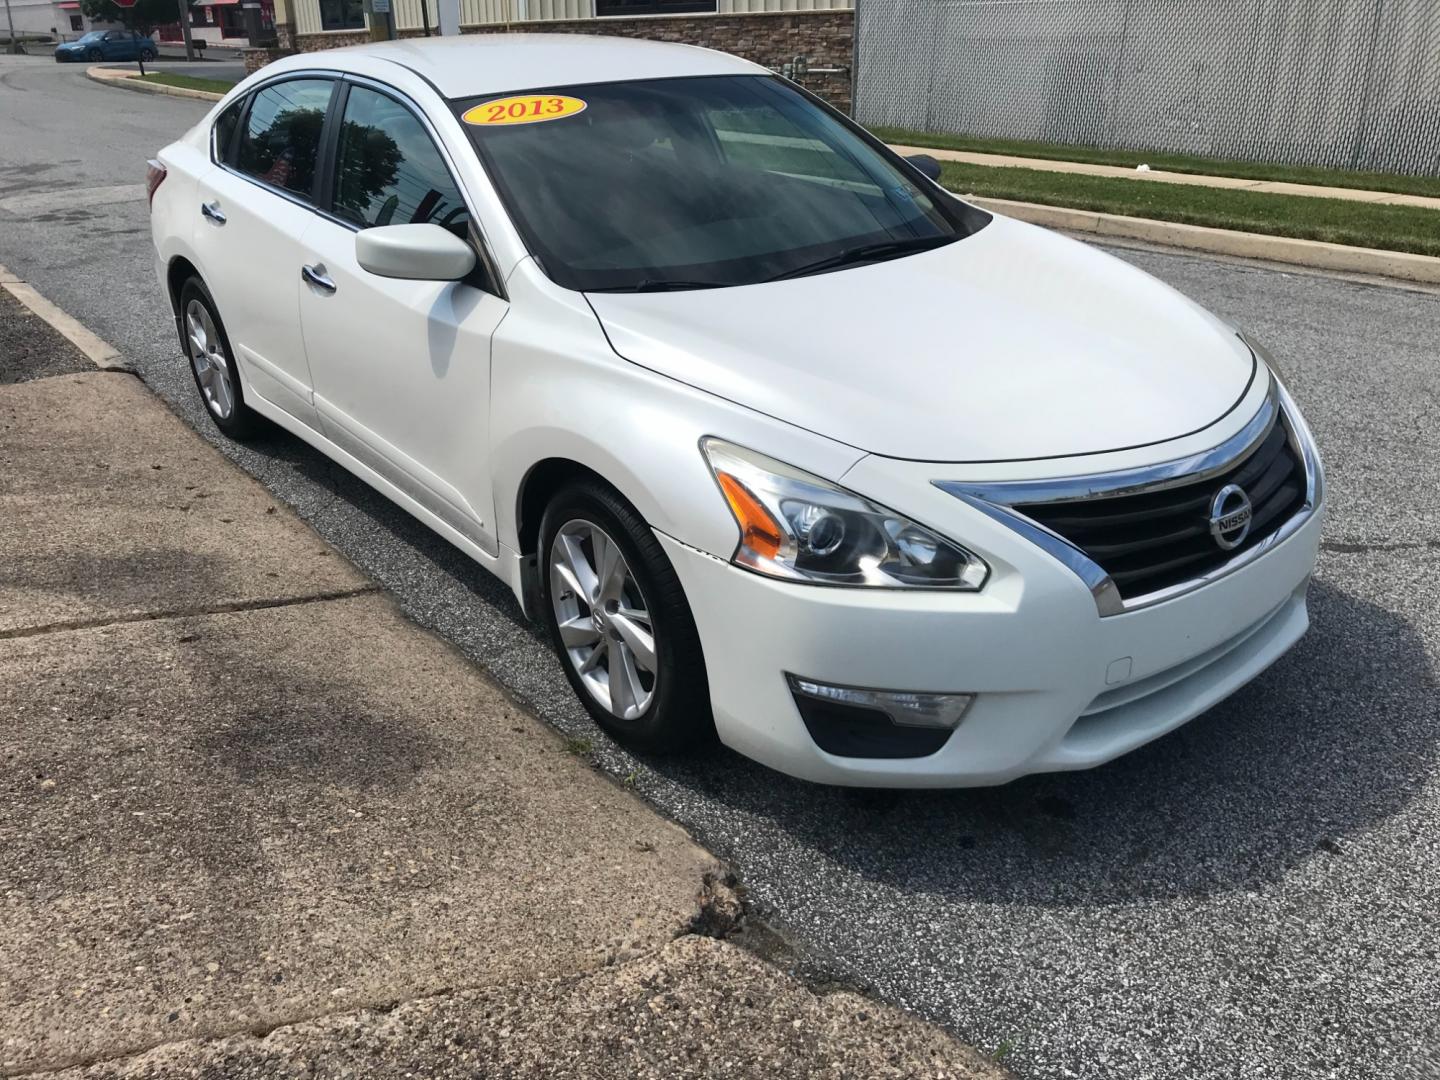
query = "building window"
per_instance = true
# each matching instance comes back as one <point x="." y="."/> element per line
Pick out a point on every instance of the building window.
<point x="653" y="7"/>
<point x="342" y="15"/>
<point x="76" y="23"/>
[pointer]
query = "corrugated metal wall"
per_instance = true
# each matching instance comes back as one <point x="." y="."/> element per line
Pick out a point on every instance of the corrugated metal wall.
<point x="480" y="12"/>
<point x="307" y="17"/>
<point x="749" y="7"/>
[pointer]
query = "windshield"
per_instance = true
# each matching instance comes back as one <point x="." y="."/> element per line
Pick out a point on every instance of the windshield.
<point x="699" y="182"/>
<point x="93" y="35"/>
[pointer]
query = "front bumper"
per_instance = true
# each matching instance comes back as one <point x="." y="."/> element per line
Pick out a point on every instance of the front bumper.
<point x="1057" y="687"/>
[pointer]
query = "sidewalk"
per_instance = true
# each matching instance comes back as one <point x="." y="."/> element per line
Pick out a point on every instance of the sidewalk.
<point x="255" y="823"/>
<point x="1159" y="176"/>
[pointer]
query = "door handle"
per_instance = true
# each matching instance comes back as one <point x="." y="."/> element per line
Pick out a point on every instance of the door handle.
<point x="315" y="275"/>
<point x="212" y="211"/>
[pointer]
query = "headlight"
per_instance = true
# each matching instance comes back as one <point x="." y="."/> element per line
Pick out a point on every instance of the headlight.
<point x="802" y="528"/>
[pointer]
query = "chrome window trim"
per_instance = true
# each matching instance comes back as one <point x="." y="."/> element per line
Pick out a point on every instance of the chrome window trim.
<point x="243" y="100"/>
<point x="1004" y="502"/>
<point x="492" y="272"/>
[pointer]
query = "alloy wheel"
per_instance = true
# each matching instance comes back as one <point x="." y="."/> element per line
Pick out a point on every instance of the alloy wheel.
<point x="207" y="356"/>
<point x="603" y="619"/>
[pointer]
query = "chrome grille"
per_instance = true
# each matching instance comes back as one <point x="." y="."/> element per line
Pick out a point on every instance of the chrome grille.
<point x="1152" y="540"/>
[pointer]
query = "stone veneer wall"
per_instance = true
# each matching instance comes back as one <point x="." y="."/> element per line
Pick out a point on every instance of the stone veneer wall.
<point x="824" y="38"/>
<point x="256" y="58"/>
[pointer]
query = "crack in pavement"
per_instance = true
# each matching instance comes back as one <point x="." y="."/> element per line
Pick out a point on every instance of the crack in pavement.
<point x="229" y="608"/>
<point x="719" y="912"/>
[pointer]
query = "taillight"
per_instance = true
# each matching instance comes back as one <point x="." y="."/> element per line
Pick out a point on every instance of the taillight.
<point x="154" y="176"/>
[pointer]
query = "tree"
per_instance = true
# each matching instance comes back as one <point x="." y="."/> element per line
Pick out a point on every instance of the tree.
<point x="144" y="16"/>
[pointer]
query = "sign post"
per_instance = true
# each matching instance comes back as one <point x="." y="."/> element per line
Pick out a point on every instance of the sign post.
<point x="447" y="14"/>
<point x="184" y="28"/>
<point x="14" y="46"/>
<point x="382" y="7"/>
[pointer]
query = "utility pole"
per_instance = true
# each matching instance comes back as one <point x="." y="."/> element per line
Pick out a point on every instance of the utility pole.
<point x="14" y="46"/>
<point x="184" y="28"/>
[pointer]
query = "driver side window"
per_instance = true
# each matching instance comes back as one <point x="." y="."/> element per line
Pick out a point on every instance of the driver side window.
<point x="387" y="170"/>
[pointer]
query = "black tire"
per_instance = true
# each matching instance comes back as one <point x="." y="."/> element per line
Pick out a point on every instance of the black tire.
<point x="678" y="718"/>
<point x="243" y="422"/>
<point x="148" y="55"/>
<point x="94" y="54"/>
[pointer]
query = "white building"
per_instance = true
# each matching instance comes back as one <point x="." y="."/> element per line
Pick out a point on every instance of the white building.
<point x="59" y="19"/>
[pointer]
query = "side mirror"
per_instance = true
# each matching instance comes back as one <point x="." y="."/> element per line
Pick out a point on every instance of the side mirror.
<point x="926" y="164"/>
<point x="414" y="252"/>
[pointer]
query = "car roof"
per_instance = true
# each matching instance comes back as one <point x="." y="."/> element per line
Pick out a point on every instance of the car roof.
<point x="475" y="64"/>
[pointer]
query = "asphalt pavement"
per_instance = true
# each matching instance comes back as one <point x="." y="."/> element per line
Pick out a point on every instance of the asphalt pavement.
<point x="1256" y="894"/>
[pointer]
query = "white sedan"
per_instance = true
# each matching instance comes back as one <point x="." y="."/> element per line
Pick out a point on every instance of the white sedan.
<point x="783" y="442"/>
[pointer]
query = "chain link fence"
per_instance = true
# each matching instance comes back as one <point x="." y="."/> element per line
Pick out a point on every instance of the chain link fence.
<point x="1351" y="84"/>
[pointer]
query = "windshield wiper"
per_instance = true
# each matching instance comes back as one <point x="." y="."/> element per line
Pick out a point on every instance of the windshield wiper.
<point x="864" y="253"/>
<point x="661" y="285"/>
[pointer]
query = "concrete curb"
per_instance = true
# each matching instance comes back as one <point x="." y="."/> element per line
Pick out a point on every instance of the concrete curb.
<point x="98" y="351"/>
<point x="1315" y="254"/>
<point x="1161" y="176"/>
<point x="129" y="81"/>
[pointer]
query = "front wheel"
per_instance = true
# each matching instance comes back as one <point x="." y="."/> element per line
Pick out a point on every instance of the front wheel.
<point x="148" y="56"/>
<point x="620" y="622"/>
<point x="94" y="54"/>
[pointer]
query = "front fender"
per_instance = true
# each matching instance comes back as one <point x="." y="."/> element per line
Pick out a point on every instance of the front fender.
<point x="560" y="391"/>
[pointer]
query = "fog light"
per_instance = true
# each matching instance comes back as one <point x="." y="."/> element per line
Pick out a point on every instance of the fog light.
<point x="903" y="707"/>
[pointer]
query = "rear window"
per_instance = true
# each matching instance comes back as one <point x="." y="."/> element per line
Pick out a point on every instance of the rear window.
<point x="280" y="140"/>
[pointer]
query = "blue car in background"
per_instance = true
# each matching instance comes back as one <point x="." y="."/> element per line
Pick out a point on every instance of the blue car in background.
<point x="107" y="45"/>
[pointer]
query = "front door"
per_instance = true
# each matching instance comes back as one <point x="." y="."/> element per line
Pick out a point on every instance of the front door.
<point x="255" y="212"/>
<point x="401" y="368"/>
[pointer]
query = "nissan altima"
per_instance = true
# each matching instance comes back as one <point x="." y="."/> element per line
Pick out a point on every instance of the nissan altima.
<point x="784" y="443"/>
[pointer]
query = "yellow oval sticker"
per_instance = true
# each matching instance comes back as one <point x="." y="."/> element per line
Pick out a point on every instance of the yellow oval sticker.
<point x="525" y="109"/>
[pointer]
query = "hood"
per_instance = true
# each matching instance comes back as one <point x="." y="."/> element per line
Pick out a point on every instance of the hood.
<point x="1015" y="343"/>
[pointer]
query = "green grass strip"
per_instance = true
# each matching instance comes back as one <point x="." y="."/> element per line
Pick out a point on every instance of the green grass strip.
<point x="189" y="82"/>
<point x="1156" y="159"/>
<point x="1339" y="221"/>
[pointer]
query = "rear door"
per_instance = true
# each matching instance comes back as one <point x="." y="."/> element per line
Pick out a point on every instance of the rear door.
<point x="255" y="208"/>
<point x="402" y="368"/>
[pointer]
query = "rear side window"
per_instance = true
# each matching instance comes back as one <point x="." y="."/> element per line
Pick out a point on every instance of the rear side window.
<point x="388" y="171"/>
<point x="280" y="140"/>
<point x="225" y="130"/>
